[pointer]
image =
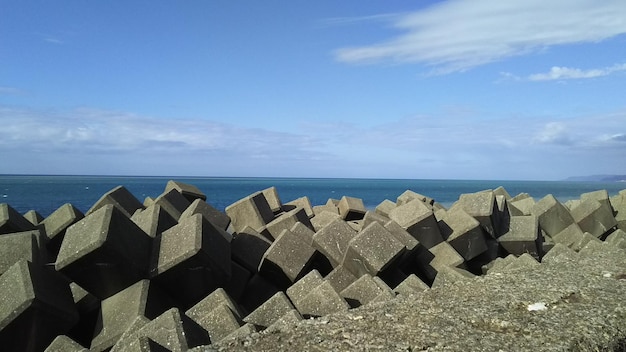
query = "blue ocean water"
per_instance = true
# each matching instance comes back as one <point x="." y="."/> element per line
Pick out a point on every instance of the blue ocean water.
<point x="46" y="193"/>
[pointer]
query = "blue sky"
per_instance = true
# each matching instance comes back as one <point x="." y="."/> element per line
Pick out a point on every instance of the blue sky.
<point x="457" y="89"/>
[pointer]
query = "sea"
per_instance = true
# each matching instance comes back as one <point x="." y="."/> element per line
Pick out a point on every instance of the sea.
<point x="46" y="193"/>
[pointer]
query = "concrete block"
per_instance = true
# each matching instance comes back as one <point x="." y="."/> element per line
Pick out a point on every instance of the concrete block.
<point x="500" y="191"/>
<point x="198" y="206"/>
<point x="329" y="207"/>
<point x="594" y="217"/>
<point x="524" y="205"/>
<point x="119" y="311"/>
<point x="340" y="278"/>
<point x="153" y="220"/>
<point x="409" y="195"/>
<point x="288" y="258"/>
<point x="411" y="285"/>
<point x="560" y="253"/>
<point x="245" y="330"/>
<point x="443" y="255"/>
<point x="304" y="232"/>
<point x="29" y="245"/>
<point x="483" y="207"/>
<point x="553" y="216"/>
<point x="601" y="196"/>
<point x="286" y="220"/>
<point x="174" y="331"/>
<point x="569" y="236"/>
<point x="173" y="203"/>
<point x="371" y="216"/>
<point x="258" y="291"/>
<point x="385" y="207"/>
<point x="273" y="199"/>
<point x="190" y="192"/>
<point x="213" y="300"/>
<point x="322" y="300"/>
<point x="88" y="307"/>
<point x="191" y="259"/>
<point x="218" y="320"/>
<point x="440" y="214"/>
<point x="148" y="201"/>
<point x="523" y="236"/>
<point x="36" y="306"/>
<point x="351" y="208"/>
<point x="64" y="343"/>
<point x="418" y="219"/>
<point x="365" y="290"/>
<point x="119" y="197"/>
<point x="270" y="311"/>
<point x="372" y="250"/>
<point x="33" y="217"/>
<point x="12" y="221"/>
<point x="285" y="322"/>
<point x="523" y="262"/>
<point x="302" y="202"/>
<point x="56" y="224"/>
<point x="498" y="264"/>
<point x="447" y="275"/>
<point x="248" y="247"/>
<point x="104" y="252"/>
<point x="333" y="240"/>
<point x="463" y="232"/>
<point x="400" y="234"/>
<point x="323" y="218"/>
<point x="303" y="286"/>
<point x="253" y="211"/>
<point x="617" y="238"/>
<point x="130" y="341"/>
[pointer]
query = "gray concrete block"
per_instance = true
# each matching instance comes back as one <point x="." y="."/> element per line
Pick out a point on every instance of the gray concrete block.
<point x="331" y="208"/>
<point x="174" y="331"/>
<point x="443" y="255"/>
<point x="322" y="300"/>
<point x="190" y="192"/>
<point x="366" y="290"/>
<point x="285" y="221"/>
<point x="594" y="217"/>
<point x="153" y="220"/>
<point x="302" y="202"/>
<point x="385" y="207"/>
<point x="618" y="203"/>
<point x="617" y="238"/>
<point x="253" y="211"/>
<point x="523" y="236"/>
<point x="243" y="331"/>
<point x="340" y="278"/>
<point x="409" y="195"/>
<point x="333" y="240"/>
<point x="601" y="196"/>
<point x="218" y="320"/>
<point x="173" y="203"/>
<point x="130" y="341"/>
<point x="463" y="232"/>
<point x="12" y="221"/>
<point x="483" y="207"/>
<point x="104" y="252"/>
<point x="273" y="199"/>
<point x="411" y="285"/>
<point x="198" y="206"/>
<point x="500" y="191"/>
<point x="248" y="247"/>
<point x="64" y="343"/>
<point x="372" y="250"/>
<point x="16" y="246"/>
<point x="148" y="201"/>
<point x="270" y="311"/>
<point x="560" y="253"/>
<point x="447" y="275"/>
<point x="351" y="208"/>
<point x="553" y="216"/>
<point x="418" y="219"/>
<point x="33" y="217"/>
<point x="288" y="258"/>
<point x="56" y="224"/>
<point x="191" y="259"/>
<point x="371" y="216"/>
<point x="88" y="307"/>
<point x="323" y="218"/>
<point x="523" y="262"/>
<point x="287" y="321"/>
<point x="119" y="197"/>
<point x="210" y="302"/>
<point x="299" y="289"/>
<point x="36" y="306"/>
<point x="524" y="205"/>
<point x="498" y="264"/>
<point x="569" y="236"/>
<point x="304" y="232"/>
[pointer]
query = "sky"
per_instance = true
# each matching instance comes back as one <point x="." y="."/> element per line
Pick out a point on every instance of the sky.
<point x="455" y="89"/>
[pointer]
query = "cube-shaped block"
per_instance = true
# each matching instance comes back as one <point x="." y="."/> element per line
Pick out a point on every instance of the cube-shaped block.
<point x="253" y="211"/>
<point x="481" y="206"/>
<point x="552" y="215"/>
<point x="248" y="248"/>
<point x="190" y="192"/>
<point x="411" y="285"/>
<point x="27" y="245"/>
<point x="153" y="220"/>
<point x="303" y="286"/>
<point x="351" y="208"/>
<point x="57" y="223"/>
<point x="302" y="202"/>
<point x="173" y="203"/>
<point x="285" y="221"/>
<point x="174" y="331"/>
<point x="372" y="250"/>
<point x="523" y="236"/>
<point x="594" y="217"/>
<point x="198" y="206"/>
<point x="418" y="219"/>
<point x="365" y="290"/>
<point x="12" y="221"/>
<point x="333" y="240"/>
<point x="288" y="258"/>
<point x="385" y="207"/>
<point x="217" y="313"/>
<point x="323" y="218"/>
<point x="463" y="232"/>
<point x="119" y="197"/>
<point x="322" y="300"/>
<point x="270" y="311"/>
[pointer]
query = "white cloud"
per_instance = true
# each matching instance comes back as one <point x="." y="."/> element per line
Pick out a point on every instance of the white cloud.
<point x="553" y="133"/>
<point x="563" y="73"/>
<point x="457" y="35"/>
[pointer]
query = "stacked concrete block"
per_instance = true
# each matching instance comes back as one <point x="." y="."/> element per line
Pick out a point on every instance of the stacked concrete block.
<point x="366" y="290"/>
<point x="191" y="260"/>
<point x="372" y="250"/>
<point x="594" y="217"/>
<point x="286" y="220"/>
<point x="322" y="300"/>
<point x="463" y="232"/>
<point x="64" y="343"/>
<point x="119" y="197"/>
<point x="273" y="199"/>
<point x="153" y="220"/>
<point x="483" y="207"/>
<point x="397" y="231"/>
<point x="190" y="192"/>
<point x="88" y="307"/>
<point x="447" y="275"/>
<point x="409" y="195"/>
<point x="56" y="224"/>
<point x="340" y="278"/>
<point x="522" y="202"/>
<point x="217" y="313"/>
<point x="330" y="206"/>
<point x="302" y="202"/>
<point x="523" y="236"/>
<point x="104" y="252"/>
<point x="418" y="219"/>
<point x="303" y="286"/>
<point x="270" y="311"/>
<point x="28" y="245"/>
<point x="433" y="259"/>
<point x="286" y="321"/>
<point x="253" y="211"/>
<point x="553" y="216"/>
<point x="385" y="207"/>
<point x="198" y="206"/>
<point x="411" y="285"/>
<point x="12" y="221"/>
<point x="239" y="277"/>
<point x="617" y="238"/>
<point x="601" y="196"/>
<point x="570" y="236"/>
<point x="248" y="247"/>
<point x="258" y="290"/>
<point x="130" y="341"/>
<point x="618" y="204"/>
<point x="33" y="217"/>
<point x="36" y="306"/>
<point x="333" y="240"/>
<point x="371" y="216"/>
<point x="351" y="208"/>
<point x="500" y="191"/>
<point x="323" y="218"/>
<point x="288" y="258"/>
<point x="173" y="203"/>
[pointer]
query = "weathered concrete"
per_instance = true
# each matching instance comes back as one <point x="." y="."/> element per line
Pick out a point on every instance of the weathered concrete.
<point x="523" y="236"/>
<point x="410" y="286"/>
<point x="190" y="192"/>
<point x="323" y="218"/>
<point x="594" y="217"/>
<point x="385" y="207"/>
<point x="16" y="246"/>
<point x="173" y="331"/>
<point x="436" y="258"/>
<point x="198" y="206"/>
<point x="248" y="248"/>
<point x="217" y="313"/>
<point x="333" y="240"/>
<point x="409" y="195"/>
<point x="365" y="290"/>
<point x="64" y="343"/>
<point x="371" y="251"/>
<point x="617" y="238"/>
<point x="56" y="224"/>
<point x="153" y="220"/>
<point x="447" y="275"/>
<point x="12" y="221"/>
<point x="173" y="203"/>
<point x="119" y="197"/>
<point x="273" y="199"/>
<point x="351" y="208"/>
<point x="553" y="216"/>
<point x="104" y="252"/>
<point x="302" y="202"/>
<point x="258" y="291"/>
<point x="270" y="311"/>
<point x="33" y="217"/>
<point x="253" y="211"/>
<point x="418" y="219"/>
<point x="481" y="206"/>
<point x="463" y="232"/>
<point x="303" y="286"/>
<point x="288" y="258"/>
<point x="322" y="300"/>
<point x="285" y="221"/>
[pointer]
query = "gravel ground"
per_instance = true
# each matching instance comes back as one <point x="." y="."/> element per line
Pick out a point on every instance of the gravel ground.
<point x="571" y="302"/>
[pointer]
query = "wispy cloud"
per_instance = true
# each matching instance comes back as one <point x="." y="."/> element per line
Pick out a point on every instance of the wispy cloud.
<point x="457" y="35"/>
<point x="564" y="73"/>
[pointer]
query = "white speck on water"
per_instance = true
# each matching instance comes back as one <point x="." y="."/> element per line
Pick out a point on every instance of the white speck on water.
<point x="537" y="306"/>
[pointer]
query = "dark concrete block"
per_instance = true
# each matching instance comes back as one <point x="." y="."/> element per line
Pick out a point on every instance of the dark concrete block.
<point x="333" y="240"/>
<point x="12" y="221"/>
<point x="63" y="343"/>
<point x="173" y="203"/>
<point x="418" y="219"/>
<point x="553" y="216"/>
<point x="239" y="277"/>
<point x="105" y="252"/>
<point x="372" y="250"/>
<point x="523" y="236"/>
<point x="285" y="221"/>
<point x="302" y="202"/>
<point x="463" y="232"/>
<point x="198" y="206"/>
<point x="411" y="285"/>
<point x="248" y="247"/>
<point x="594" y="217"/>
<point x="191" y="259"/>
<point x="322" y="300"/>
<point x="270" y="311"/>
<point x="174" y="331"/>
<point x="258" y="291"/>
<point x="33" y="217"/>
<point x="253" y="211"/>
<point x="36" y="306"/>
<point x="288" y="258"/>
<point x="119" y="197"/>
<point x="130" y="341"/>
<point x="29" y="245"/>
<point x="56" y="224"/>
<point x="323" y="218"/>
<point x="351" y="208"/>
<point x="217" y="313"/>
<point x="483" y="207"/>
<point x="190" y="192"/>
<point x="88" y="307"/>
<point x="153" y="220"/>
